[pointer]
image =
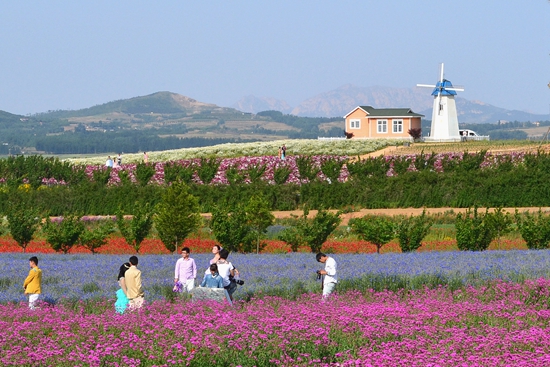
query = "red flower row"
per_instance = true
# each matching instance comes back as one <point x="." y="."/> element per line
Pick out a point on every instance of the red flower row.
<point x="118" y="245"/>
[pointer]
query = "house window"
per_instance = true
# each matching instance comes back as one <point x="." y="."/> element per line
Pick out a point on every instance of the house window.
<point x="355" y="124"/>
<point x="382" y="126"/>
<point x="397" y="126"/>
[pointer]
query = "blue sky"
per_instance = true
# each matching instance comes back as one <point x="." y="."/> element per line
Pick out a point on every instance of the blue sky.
<point x="71" y="55"/>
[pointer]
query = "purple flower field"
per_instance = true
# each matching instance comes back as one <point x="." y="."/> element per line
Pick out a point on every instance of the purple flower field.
<point x="86" y="276"/>
<point x="501" y="324"/>
<point x="495" y="322"/>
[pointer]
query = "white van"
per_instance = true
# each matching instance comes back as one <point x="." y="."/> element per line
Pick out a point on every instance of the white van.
<point x="467" y="133"/>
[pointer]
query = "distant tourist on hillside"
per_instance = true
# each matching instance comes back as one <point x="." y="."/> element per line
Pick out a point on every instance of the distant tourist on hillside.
<point x="145" y="157"/>
<point x="109" y="162"/>
<point x="283" y="152"/>
<point x="33" y="282"/>
<point x="119" y="159"/>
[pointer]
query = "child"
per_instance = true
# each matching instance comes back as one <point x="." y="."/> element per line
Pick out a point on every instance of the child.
<point x="212" y="280"/>
<point x="33" y="282"/>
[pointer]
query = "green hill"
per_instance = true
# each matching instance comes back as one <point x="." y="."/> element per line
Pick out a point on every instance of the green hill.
<point x="155" y="122"/>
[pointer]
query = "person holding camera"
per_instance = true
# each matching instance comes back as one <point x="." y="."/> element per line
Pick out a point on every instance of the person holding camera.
<point x="227" y="271"/>
<point x="329" y="274"/>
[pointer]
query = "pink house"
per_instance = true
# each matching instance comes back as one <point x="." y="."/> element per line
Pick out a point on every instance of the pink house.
<point x="387" y="123"/>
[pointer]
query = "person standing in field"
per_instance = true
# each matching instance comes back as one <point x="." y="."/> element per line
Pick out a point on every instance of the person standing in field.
<point x="280" y="154"/>
<point x="283" y="152"/>
<point x="33" y="282"/>
<point x="330" y="279"/>
<point x="119" y="160"/>
<point x="109" y="162"/>
<point x="186" y="271"/>
<point x="227" y="271"/>
<point x="134" y="290"/>
<point x="145" y="157"/>
<point x="121" y="295"/>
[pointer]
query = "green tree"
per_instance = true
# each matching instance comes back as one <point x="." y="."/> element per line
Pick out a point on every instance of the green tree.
<point x="258" y="218"/>
<point x="207" y="169"/>
<point x="136" y="229"/>
<point x="281" y="173"/>
<point x="311" y="232"/>
<point x="177" y="215"/>
<point x="229" y="226"/>
<point x="144" y="172"/>
<point x="102" y="175"/>
<point x="63" y="235"/>
<point x="331" y="168"/>
<point x="306" y="168"/>
<point x="22" y="224"/>
<point x="535" y="230"/>
<point x="94" y="238"/>
<point x="411" y="230"/>
<point x="293" y="236"/>
<point x="255" y="172"/>
<point x="474" y="232"/>
<point x="501" y="223"/>
<point x="375" y="229"/>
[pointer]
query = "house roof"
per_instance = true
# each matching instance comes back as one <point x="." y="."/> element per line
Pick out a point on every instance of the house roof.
<point x="386" y="112"/>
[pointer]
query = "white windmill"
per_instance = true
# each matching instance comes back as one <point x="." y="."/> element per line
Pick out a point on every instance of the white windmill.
<point x="444" y="116"/>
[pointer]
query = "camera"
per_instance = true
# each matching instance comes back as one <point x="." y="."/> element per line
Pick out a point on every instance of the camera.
<point x="318" y="274"/>
<point x="236" y="281"/>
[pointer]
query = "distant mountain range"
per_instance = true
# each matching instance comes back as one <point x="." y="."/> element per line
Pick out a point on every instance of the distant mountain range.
<point x="340" y="101"/>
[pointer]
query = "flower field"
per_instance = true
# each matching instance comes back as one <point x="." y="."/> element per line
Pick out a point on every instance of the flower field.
<point x="86" y="276"/>
<point x="500" y="324"/>
<point x="444" y="308"/>
<point x="295" y="147"/>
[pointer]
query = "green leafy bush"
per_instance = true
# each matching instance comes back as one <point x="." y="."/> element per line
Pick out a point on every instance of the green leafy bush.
<point x="138" y="227"/>
<point x="411" y="230"/>
<point x="177" y="215"/>
<point x="306" y="168"/>
<point x="281" y="173"/>
<point x="63" y="235"/>
<point x="94" y="238"/>
<point x="144" y="172"/>
<point x="535" y="230"/>
<point x="207" y="169"/>
<point x="311" y="232"/>
<point x="474" y="232"/>
<point x="376" y="229"/>
<point x="22" y="223"/>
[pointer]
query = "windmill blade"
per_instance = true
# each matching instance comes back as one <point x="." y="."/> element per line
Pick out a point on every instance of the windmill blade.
<point x="458" y="89"/>
<point x="426" y="85"/>
<point x="441" y="76"/>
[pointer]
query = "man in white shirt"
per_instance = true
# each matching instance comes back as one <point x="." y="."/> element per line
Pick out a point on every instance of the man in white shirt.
<point x="329" y="273"/>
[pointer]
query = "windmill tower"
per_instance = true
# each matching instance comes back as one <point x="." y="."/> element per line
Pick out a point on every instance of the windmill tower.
<point x="444" y="116"/>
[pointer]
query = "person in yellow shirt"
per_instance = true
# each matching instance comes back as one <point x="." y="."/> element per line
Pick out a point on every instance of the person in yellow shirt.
<point x="33" y="282"/>
<point x="134" y="290"/>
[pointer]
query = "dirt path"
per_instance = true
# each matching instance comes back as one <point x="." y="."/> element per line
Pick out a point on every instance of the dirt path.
<point x="392" y="212"/>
